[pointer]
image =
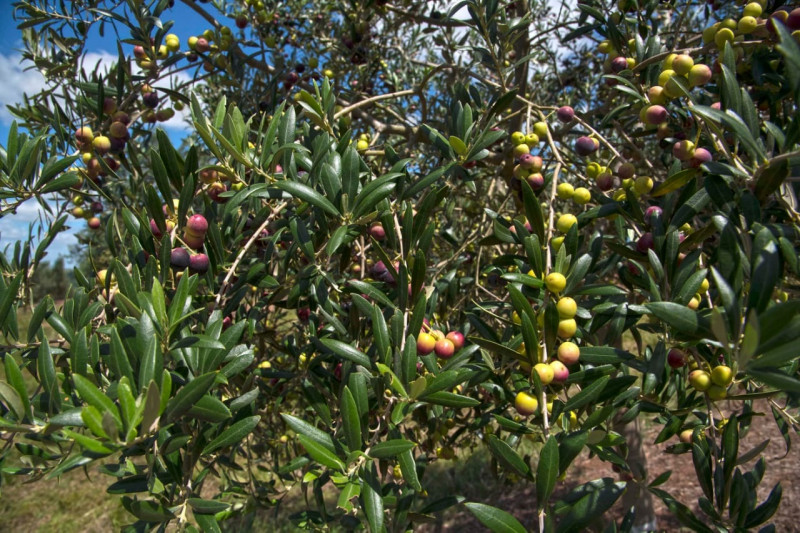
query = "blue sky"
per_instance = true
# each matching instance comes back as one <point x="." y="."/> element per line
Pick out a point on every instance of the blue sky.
<point x="19" y="81"/>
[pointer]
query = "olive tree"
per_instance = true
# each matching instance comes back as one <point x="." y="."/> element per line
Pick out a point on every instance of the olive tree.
<point x="400" y="231"/>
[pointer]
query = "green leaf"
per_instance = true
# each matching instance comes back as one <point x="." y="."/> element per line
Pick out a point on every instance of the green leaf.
<point x="129" y="485"/>
<point x="64" y="181"/>
<point x="675" y="182"/>
<point x="231" y="149"/>
<point x="730" y="93"/>
<point x="372" y="292"/>
<point x="497" y="520"/>
<point x="188" y="395"/>
<point x="495" y="347"/>
<point x="337" y="239"/>
<point x="390" y="448"/>
<point x="571" y="446"/>
<point x="425" y="182"/>
<point x="210" y="409"/>
<point x="149" y="511"/>
<point x="57" y="322"/>
<point x="775" y="378"/>
<point x="446" y="379"/>
<point x="587" y="395"/>
<point x="373" y="502"/>
<point x="15" y="379"/>
<point x="774" y="323"/>
<point x="763" y="512"/>
<point x="367" y="202"/>
<point x="380" y="333"/>
<point x="351" y="420"/>
<point x="9" y="296"/>
<point x="766" y="272"/>
<point x="159" y="303"/>
<point x="771" y="179"/>
<point x="233" y="435"/>
<point x="152" y="405"/>
<point x="409" y="469"/>
<point x="689" y="209"/>
<point x="486" y="139"/>
<point x="533" y="210"/>
<point x="198" y="341"/>
<point x="502" y="102"/>
<point x="38" y="317"/>
<point x="450" y="399"/>
<point x="202" y="506"/>
<point x="701" y="457"/>
<point x="12" y="400"/>
<point x="307" y="194"/>
<point x="587" y="502"/>
<point x="395" y="381"/>
<point x="304" y="428"/>
<point x="96" y="398"/>
<point x="286" y="130"/>
<point x="150" y="362"/>
<point x="94" y="421"/>
<point x="730" y="448"/>
<point x="507" y="456"/>
<point x="118" y="358"/>
<point x="349" y="491"/>
<point x="752" y="453"/>
<point x="525" y="279"/>
<point x="160" y="174"/>
<point x="736" y="124"/>
<point x="321" y="454"/>
<point x="347" y="352"/>
<point x="605" y="355"/>
<point x="547" y="472"/>
<point x="88" y="443"/>
<point x="690" y="287"/>
<point x="127" y="405"/>
<point x="458" y="145"/>
<point x="680" y="318"/>
<point x="684" y="514"/>
<point x="207" y="522"/>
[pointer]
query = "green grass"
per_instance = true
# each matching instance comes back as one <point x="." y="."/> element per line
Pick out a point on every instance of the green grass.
<point x="74" y="503"/>
<point x="78" y="502"/>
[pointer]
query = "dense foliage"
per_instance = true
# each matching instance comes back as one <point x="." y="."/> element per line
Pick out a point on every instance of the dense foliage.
<point x="399" y="231"/>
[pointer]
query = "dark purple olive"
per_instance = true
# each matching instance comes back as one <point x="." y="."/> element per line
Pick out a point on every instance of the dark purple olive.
<point x="179" y="258"/>
<point x="198" y="263"/>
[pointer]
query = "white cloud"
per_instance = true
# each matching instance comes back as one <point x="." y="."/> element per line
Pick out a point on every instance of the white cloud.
<point x="14" y="227"/>
<point x="21" y="78"/>
<point x="104" y="59"/>
<point x="16" y="82"/>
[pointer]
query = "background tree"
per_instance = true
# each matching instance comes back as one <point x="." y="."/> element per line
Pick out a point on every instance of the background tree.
<point x="50" y="280"/>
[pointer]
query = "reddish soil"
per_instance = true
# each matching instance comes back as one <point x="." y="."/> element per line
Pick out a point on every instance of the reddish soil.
<point x="520" y="500"/>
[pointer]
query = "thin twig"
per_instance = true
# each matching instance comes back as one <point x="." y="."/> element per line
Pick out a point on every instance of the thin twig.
<point x="226" y="282"/>
<point x="367" y="101"/>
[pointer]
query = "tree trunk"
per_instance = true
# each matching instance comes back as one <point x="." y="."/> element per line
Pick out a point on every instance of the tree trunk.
<point x="636" y="495"/>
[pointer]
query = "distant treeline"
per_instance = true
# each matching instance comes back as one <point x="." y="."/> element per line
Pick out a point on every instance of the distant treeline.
<point x="51" y="279"/>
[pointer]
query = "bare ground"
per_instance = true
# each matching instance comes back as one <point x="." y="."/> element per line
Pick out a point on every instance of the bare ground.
<point x="520" y="500"/>
<point x="78" y="503"/>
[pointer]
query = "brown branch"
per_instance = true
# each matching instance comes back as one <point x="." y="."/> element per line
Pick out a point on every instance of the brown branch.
<point x="521" y="49"/>
<point x="444" y="22"/>
<point x="256" y="234"/>
<point x="367" y="101"/>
